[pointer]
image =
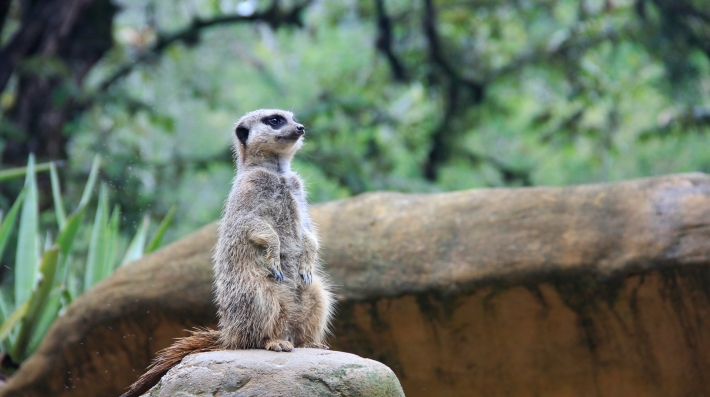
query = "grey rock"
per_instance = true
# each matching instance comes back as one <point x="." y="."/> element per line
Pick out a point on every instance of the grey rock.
<point x="303" y="372"/>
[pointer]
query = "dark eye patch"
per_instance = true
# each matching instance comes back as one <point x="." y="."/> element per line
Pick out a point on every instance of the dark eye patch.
<point x="275" y="121"/>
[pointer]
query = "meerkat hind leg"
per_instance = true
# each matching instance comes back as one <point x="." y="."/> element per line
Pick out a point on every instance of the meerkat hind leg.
<point x="313" y="317"/>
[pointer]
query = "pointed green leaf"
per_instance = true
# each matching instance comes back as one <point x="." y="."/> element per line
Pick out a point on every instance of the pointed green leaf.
<point x="111" y="243"/>
<point x="135" y="248"/>
<point x="13" y="320"/>
<point x="157" y="239"/>
<point x="19" y="172"/>
<point x="9" y="221"/>
<point x="93" y="174"/>
<point x="47" y="316"/>
<point x="47" y="241"/>
<point x="65" y="240"/>
<point x="5" y="307"/>
<point x="67" y="297"/>
<point x="97" y="248"/>
<point x="27" y="247"/>
<point x="37" y="302"/>
<point x="57" y="196"/>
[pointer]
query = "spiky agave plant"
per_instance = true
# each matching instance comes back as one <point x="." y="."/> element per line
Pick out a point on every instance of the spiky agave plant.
<point x="49" y="274"/>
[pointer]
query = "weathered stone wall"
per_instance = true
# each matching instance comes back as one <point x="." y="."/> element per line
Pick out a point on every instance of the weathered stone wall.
<point x="597" y="290"/>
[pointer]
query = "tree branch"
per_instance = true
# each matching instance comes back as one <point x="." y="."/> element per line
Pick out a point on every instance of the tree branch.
<point x="436" y="54"/>
<point x="58" y="18"/>
<point x="273" y="16"/>
<point x="384" y="41"/>
<point x="4" y="8"/>
<point x="543" y="55"/>
<point x="441" y="147"/>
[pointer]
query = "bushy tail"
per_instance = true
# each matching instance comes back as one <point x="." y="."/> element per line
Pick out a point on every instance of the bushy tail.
<point x="201" y="340"/>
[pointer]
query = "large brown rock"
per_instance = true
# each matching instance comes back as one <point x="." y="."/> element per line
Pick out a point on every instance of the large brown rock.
<point x="598" y="290"/>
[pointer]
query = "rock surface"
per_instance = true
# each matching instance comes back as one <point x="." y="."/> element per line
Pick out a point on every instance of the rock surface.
<point x="301" y="373"/>
<point x="594" y="290"/>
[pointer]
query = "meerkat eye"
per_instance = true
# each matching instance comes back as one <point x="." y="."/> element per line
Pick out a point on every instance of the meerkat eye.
<point x="275" y="121"/>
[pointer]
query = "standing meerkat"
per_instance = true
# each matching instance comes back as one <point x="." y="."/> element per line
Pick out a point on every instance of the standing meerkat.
<point x="269" y="290"/>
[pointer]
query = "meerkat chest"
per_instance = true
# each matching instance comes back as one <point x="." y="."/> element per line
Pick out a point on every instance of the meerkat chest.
<point x="287" y="208"/>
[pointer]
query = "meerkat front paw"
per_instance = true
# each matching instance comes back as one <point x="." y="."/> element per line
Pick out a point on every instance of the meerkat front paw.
<point x="276" y="270"/>
<point x="278" y="345"/>
<point x="306" y="272"/>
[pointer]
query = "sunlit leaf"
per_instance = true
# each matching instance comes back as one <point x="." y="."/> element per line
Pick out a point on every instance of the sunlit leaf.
<point x="93" y="175"/>
<point x="37" y="303"/>
<point x="46" y="318"/>
<point x="57" y="196"/>
<point x="5" y="307"/>
<point x="19" y="172"/>
<point x="12" y="320"/>
<point x="111" y="243"/>
<point x="65" y="240"/>
<point x="27" y="249"/>
<point x="157" y="239"/>
<point x="137" y="246"/>
<point x="97" y="248"/>
<point x="9" y="221"/>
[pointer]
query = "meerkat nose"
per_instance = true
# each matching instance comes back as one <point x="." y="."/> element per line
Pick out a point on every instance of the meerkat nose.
<point x="300" y="129"/>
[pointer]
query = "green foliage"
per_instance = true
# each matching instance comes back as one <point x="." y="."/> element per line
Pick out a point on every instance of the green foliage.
<point x="574" y="92"/>
<point x="48" y="276"/>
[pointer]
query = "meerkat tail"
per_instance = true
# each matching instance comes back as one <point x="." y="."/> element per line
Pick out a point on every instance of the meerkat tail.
<point x="201" y="340"/>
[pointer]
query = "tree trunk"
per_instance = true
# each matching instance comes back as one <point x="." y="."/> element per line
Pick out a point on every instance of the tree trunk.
<point x="56" y="45"/>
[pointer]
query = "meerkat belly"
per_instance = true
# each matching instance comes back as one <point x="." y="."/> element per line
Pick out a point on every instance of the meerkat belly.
<point x="287" y="223"/>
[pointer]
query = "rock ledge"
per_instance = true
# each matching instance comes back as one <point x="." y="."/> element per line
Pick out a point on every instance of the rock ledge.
<point x="303" y="372"/>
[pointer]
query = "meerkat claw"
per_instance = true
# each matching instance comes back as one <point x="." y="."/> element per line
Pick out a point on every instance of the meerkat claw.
<point x="307" y="278"/>
<point x="278" y="275"/>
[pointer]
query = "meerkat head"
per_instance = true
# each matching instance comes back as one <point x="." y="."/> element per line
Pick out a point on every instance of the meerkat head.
<point x="267" y="133"/>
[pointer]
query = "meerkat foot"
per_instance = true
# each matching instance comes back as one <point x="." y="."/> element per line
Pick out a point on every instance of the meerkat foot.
<point x="314" y="345"/>
<point x="278" y="345"/>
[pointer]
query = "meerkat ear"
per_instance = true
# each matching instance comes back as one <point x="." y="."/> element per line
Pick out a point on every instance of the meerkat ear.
<point x="242" y="134"/>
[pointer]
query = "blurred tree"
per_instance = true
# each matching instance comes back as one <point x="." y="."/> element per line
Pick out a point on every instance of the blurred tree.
<point x="50" y="52"/>
<point x="423" y="95"/>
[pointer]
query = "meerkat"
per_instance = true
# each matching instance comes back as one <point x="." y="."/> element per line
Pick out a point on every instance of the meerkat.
<point x="269" y="290"/>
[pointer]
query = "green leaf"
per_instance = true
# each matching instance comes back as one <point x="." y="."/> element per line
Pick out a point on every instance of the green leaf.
<point x="37" y="303"/>
<point x="66" y="297"/>
<point x="13" y="320"/>
<point x="47" y="241"/>
<point x="135" y="248"/>
<point x="157" y="239"/>
<point x="111" y="243"/>
<point x="66" y="239"/>
<point x="97" y="246"/>
<point x="9" y="221"/>
<point x="5" y="312"/>
<point x="89" y="188"/>
<point x="57" y="196"/>
<point x="27" y="249"/>
<point x="19" y="172"/>
<point x="46" y="318"/>
<point x="4" y="307"/>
